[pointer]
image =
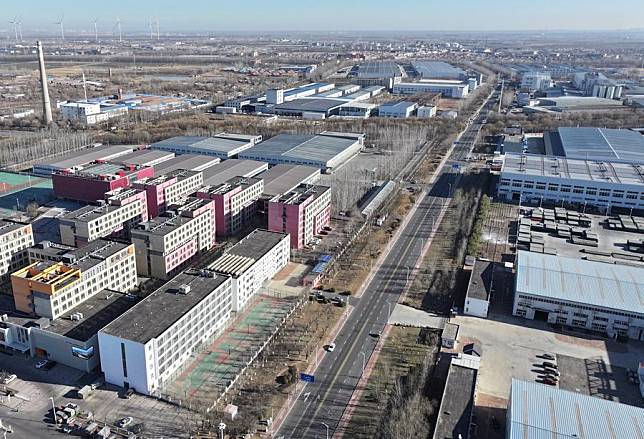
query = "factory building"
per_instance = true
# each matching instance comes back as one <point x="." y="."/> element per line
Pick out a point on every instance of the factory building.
<point x="251" y="262"/>
<point x="92" y="182"/>
<point x="397" y="109"/>
<point x="235" y="203"/>
<point x="602" y="144"/>
<point x="306" y="90"/>
<point x="538" y="411"/>
<point x="143" y="157"/>
<point x="52" y="288"/>
<point x="78" y="159"/>
<point x="168" y="189"/>
<point x="535" y="81"/>
<point x="15" y="239"/>
<point x="70" y="339"/>
<point x="166" y="243"/>
<point x="228" y="169"/>
<point x="437" y="70"/>
<point x="426" y="111"/>
<point x="595" y="296"/>
<point x="376" y="73"/>
<point x="302" y="213"/>
<point x="145" y="346"/>
<point x="309" y="108"/>
<point x="281" y="179"/>
<point x="597" y="85"/>
<point x="223" y="145"/>
<point x="357" y="109"/>
<point x="187" y="162"/>
<point x="90" y="113"/>
<point x="327" y="150"/>
<point x="535" y="178"/>
<point x="449" y="88"/>
<point x="89" y="223"/>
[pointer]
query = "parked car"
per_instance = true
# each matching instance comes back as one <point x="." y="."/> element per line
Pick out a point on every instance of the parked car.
<point x="548" y="357"/>
<point x="9" y="378"/>
<point x="49" y="365"/>
<point x="549" y="364"/>
<point x="330" y="347"/>
<point x="128" y="393"/>
<point x="122" y="423"/>
<point x="40" y="364"/>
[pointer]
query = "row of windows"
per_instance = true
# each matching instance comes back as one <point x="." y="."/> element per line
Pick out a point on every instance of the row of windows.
<point x="580" y="306"/>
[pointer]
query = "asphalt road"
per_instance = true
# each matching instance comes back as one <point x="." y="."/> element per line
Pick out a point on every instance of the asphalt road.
<point x="319" y="408"/>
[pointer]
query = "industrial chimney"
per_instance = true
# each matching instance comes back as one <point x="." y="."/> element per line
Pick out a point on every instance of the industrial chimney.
<point x="46" y="105"/>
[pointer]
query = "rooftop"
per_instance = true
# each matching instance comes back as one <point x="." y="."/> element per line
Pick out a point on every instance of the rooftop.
<point x="618" y="287"/>
<point x="321" y="148"/>
<point x="574" y="169"/>
<point x="538" y="411"/>
<point x="398" y="105"/>
<point x="143" y="157"/>
<point x="302" y="193"/>
<point x="168" y="221"/>
<point x="600" y="144"/>
<point x="223" y="144"/>
<point x="284" y="178"/>
<point x="84" y="156"/>
<point x="193" y="162"/>
<point x="436" y="69"/>
<point x="7" y="226"/>
<point x="228" y="169"/>
<point x="246" y="252"/>
<point x="229" y="185"/>
<point x="320" y="105"/>
<point x="155" y="314"/>
<point x="89" y="213"/>
<point x="377" y="69"/>
<point x="458" y="401"/>
<point x="480" y="280"/>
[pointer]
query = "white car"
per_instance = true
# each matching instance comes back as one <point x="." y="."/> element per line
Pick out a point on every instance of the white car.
<point x="124" y="422"/>
<point x="9" y="378"/>
<point x="40" y="364"/>
<point x="331" y="347"/>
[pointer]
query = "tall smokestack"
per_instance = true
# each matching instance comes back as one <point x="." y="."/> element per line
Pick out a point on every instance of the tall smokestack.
<point x="46" y="105"/>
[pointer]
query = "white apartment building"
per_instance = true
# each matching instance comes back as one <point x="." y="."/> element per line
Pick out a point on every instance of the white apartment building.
<point x="15" y="239"/>
<point x="90" y="223"/>
<point x="165" y="244"/>
<point x="449" y="88"/>
<point x="251" y="262"/>
<point x="535" y="178"/>
<point x="596" y="296"/>
<point x="51" y="288"/>
<point x="149" y="343"/>
<point x="536" y="81"/>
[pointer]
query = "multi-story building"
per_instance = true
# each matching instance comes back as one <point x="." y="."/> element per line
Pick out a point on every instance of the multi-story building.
<point x="90" y="113"/>
<point x="426" y="111"/>
<point x="15" y="239"/>
<point x="450" y="88"/>
<point x="168" y="189"/>
<point x="536" y="81"/>
<point x="92" y="182"/>
<point x="302" y="213"/>
<point x="251" y="262"/>
<point x="52" y="288"/>
<point x="144" y="347"/>
<point x="235" y="203"/>
<point x="165" y="244"/>
<point x="126" y="207"/>
<point x="591" y="295"/>
<point x="548" y="179"/>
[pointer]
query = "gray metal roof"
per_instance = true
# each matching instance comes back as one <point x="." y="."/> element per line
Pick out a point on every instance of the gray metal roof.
<point x="318" y="105"/>
<point x="377" y="69"/>
<point x="284" y="178"/>
<point x="144" y="157"/>
<point x="223" y="146"/>
<point x="319" y="149"/>
<point x="190" y="162"/>
<point x="228" y="169"/>
<point x="437" y="69"/>
<point x="618" y="287"/>
<point x="538" y="411"/>
<point x="85" y="156"/>
<point x="602" y="144"/>
<point x="246" y="252"/>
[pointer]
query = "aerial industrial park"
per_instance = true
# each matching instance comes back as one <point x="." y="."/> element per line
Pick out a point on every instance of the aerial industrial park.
<point x="303" y="234"/>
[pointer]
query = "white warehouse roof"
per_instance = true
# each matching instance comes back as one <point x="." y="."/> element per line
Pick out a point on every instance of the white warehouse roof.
<point x="618" y="287"/>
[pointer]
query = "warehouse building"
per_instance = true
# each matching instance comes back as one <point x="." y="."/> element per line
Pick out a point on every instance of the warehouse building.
<point x="144" y="347"/>
<point x="447" y="87"/>
<point x="188" y="162"/>
<point x="77" y="159"/>
<point x="168" y="189"/>
<point x="539" y="411"/>
<point x="251" y="262"/>
<point x="281" y="179"/>
<point x="305" y="91"/>
<point x="327" y="150"/>
<point x="92" y="182"/>
<point x="144" y="157"/>
<point x="437" y="70"/>
<point x="223" y="145"/>
<point x="376" y="73"/>
<point x="165" y="244"/>
<point x="221" y="173"/>
<point x="534" y="178"/>
<point x="309" y="108"/>
<point x="52" y="288"/>
<point x="302" y="213"/>
<point x="15" y="239"/>
<point x="357" y="109"/>
<point x="235" y="203"/>
<point x="536" y="81"/>
<point x="600" y="144"/>
<point x="89" y="223"/>
<point x="591" y="295"/>
<point x="397" y="109"/>
<point x="70" y="339"/>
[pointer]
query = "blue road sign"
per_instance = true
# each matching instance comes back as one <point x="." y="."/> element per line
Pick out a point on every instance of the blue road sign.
<point x="306" y="377"/>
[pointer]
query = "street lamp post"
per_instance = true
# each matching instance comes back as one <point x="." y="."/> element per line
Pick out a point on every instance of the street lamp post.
<point x="327" y="429"/>
<point x="53" y="409"/>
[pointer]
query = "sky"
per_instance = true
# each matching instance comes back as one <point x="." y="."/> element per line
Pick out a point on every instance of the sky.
<point x="332" y="15"/>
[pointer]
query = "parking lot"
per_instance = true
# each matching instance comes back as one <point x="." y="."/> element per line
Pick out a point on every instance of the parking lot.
<point x="512" y="348"/>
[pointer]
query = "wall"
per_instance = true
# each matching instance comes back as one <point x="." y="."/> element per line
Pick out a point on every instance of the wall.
<point x="112" y="366"/>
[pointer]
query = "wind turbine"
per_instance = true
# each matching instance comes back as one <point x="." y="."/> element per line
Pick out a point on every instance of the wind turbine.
<point x="96" y="29"/>
<point x="15" y="26"/>
<point x="62" y="26"/>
